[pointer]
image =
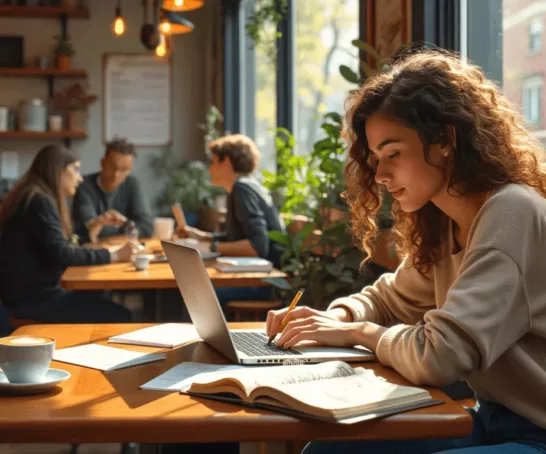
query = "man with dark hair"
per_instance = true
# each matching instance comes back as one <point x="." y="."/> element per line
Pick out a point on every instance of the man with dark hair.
<point x="107" y="200"/>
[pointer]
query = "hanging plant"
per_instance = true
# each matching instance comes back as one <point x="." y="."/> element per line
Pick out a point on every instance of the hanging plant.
<point x="262" y="25"/>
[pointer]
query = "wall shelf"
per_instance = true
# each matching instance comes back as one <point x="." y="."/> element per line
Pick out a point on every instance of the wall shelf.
<point x="43" y="11"/>
<point x="38" y="72"/>
<point x="43" y="135"/>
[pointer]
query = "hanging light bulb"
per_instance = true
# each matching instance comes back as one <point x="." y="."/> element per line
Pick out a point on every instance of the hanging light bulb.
<point x="182" y="5"/>
<point x="164" y="24"/>
<point x="162" y="49"/>
<point x="118" y="26"/>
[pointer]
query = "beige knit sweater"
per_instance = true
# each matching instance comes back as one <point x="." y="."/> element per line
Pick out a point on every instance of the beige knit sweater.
<point x="480" y="314"/>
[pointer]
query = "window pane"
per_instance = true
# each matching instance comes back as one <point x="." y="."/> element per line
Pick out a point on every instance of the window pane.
<point x="324" y="31"/>
<point x="524" y="62"/>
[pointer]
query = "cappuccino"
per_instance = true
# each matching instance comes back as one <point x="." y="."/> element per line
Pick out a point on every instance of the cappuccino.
<point x="26" y="359"/>
<point x="25" y="340"/>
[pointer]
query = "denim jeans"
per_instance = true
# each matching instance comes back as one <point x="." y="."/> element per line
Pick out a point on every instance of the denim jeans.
<point x="496" y="430"/>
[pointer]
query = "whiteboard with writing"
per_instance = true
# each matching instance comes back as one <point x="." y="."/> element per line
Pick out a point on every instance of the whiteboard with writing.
<point x="137" y="99"/>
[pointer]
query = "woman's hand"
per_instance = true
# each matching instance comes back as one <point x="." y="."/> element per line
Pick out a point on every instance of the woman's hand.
<point x="112" y="217"/>
<point x="192" y="232"/>
<point x="305" y="317"/>
<point x="125" y="253"/>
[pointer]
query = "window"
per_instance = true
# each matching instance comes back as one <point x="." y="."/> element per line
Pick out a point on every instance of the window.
<point x="532" y="100"/>
<point x="323" y="43"/>
<point x="535" y="35"/>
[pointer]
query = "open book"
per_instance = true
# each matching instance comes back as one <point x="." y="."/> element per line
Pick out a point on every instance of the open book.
<point x="242" y="264"/>
<point x="331" y="391"/>
<point x="104" y="358"/>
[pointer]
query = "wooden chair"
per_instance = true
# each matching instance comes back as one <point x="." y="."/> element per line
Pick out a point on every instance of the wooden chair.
<point x="253" y="308"/>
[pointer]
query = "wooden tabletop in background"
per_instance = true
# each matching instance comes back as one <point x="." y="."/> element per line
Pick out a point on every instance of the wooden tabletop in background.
<point x="93" y="406"/>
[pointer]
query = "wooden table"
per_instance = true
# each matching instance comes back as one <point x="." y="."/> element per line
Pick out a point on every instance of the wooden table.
<point x="123" y="276"/>
<point x="93" y="406"/>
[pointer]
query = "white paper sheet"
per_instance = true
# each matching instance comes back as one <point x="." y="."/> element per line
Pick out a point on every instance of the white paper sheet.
<point x="166" y="335"/>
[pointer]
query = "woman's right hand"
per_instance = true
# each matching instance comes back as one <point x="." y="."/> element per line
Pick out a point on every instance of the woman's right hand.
<point x="275" y="318"/>
<point x="125" y="253"/>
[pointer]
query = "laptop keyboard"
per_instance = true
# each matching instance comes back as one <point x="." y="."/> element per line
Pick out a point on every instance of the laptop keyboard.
<point x="255" y="344"/>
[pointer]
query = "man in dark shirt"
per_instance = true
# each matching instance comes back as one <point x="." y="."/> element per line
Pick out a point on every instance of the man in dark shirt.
<point x="251" y="213"/>
<point x="105" y="201"/>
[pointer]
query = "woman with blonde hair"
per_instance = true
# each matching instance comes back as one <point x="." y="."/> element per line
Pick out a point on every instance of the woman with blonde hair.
<point x="468" y="301"/>
<point x="36" y="247"/>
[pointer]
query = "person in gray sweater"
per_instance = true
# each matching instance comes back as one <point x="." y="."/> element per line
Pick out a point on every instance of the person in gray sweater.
<point x="468" y="302"/>
<point x="107" y="200"/>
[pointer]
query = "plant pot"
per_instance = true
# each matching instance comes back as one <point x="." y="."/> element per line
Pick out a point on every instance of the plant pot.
<point x="76" y="121"/>
<point x="64" y="62"/>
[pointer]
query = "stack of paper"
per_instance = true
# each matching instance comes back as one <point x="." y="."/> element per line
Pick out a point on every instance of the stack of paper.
<point x="104" y="358"/>
<point x="167" y="335"/>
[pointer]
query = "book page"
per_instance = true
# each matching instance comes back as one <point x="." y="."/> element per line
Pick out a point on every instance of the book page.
<point x="347" y="395"/>
<point x="251" y="378"/>
<point x="103" y="357"/>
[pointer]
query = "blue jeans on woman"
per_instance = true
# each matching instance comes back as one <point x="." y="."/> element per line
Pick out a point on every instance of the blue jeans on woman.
<point x="496" y="430"/>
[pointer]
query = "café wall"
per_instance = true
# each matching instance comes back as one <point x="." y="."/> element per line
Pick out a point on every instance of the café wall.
<point x="91" y="39"/>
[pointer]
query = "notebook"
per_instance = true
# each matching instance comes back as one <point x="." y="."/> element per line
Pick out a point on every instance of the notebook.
<point x="242" y="264"/>
<point x="331" y="391"/>
<point x="167" y="335"/>
<point x="103" y="357"/>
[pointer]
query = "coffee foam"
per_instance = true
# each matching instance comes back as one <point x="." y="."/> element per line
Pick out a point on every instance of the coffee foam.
<point x="24" y="340"/>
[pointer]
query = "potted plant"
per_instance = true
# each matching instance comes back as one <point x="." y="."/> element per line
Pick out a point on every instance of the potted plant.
<point x="74" y="101"/>
<point x="63" y="51"/>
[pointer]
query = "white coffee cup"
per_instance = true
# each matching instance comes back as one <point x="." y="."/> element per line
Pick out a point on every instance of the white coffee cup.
<point x="26" y="359"/>
<point x="55" y="123"/>
<point x="164" y="228"/>
<point x="142" y="261"/>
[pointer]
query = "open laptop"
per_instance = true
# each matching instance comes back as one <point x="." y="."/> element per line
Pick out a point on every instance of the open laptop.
<point x="240" y="346"/>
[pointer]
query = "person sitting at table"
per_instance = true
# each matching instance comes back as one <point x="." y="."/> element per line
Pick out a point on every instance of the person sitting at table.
<point x="470" y="211"/>
<point x="106" y="200"/>
<point x="36" y="247"/>
<point x="251" y="213"/>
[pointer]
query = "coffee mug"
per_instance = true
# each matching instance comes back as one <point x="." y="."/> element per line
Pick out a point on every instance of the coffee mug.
<point x="142" y="261"/>
<point x="164" y="228"/>
<point x="26" y="359"/>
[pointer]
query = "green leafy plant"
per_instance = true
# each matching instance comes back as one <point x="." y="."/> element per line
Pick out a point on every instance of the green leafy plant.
<point x="189" y="184"/>
<point x="213" y="120"/>
<point x="63" y="46"/>
<point x="320" y="257"/>
<point x="262" y="25"/>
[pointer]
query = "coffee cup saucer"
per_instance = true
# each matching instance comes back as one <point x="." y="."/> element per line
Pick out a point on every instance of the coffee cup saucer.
<point x="52" y="378"/>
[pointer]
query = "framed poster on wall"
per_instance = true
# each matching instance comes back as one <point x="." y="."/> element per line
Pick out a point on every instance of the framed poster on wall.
<point x="137" y="99"/>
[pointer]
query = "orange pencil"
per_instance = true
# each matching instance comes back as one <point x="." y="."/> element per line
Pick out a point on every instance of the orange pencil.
<point x="285" y="319"/>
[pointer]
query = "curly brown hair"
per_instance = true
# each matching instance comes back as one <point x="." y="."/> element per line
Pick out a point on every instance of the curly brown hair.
<point x="434" y="93"/>
<point x="239" y="149"/>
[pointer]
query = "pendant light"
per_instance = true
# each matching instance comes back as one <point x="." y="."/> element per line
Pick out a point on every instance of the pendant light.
<point x="182" y="5"/>
<point x="118" y="26"/>
<point x="172" y="24"/>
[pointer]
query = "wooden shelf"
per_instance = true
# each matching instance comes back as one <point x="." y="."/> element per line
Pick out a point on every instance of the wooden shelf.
<point x="43" y="135"/>
<point x="43" y="11"/>
<point x="38" y="72"/>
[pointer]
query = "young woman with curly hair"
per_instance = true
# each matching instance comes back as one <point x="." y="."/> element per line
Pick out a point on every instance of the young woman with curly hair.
<point x="468" y="301"/>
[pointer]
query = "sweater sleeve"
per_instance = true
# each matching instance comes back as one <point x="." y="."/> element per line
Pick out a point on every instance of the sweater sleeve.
<point x="45" y="230"/>
<point x="138" y="210"/>
<point x="404" y="295"/>
<point x="83" y="210"/>
<point x="482" y="317"/>
<point x="249" y="213"/>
